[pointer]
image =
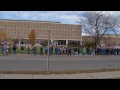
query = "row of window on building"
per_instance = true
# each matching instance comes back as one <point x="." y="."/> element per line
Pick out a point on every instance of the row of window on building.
<point x="43" y="34"/>
<point x="43" y="27"/>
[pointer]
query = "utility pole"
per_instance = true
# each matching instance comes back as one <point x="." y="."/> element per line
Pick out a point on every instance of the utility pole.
<point x="48" y="51"/>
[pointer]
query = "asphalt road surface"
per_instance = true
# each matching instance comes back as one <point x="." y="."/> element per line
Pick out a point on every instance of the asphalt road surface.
<point x="57" y="63"/>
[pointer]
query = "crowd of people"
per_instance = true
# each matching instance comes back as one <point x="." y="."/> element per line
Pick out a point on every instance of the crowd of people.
<point x="61" y="50"/>
<point x="6" y="50"/>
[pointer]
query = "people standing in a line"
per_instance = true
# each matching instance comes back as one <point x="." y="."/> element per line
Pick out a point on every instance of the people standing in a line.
<point x="35" y="49"/>
<point x="46" y="49"/>
<point x="14" y="49"/>
<point x="22" y="50"/>
<point x="56" y="50"/>
<point x="41" y="50"/>
<point x="9" y="50"/>
<point x="84" y="51"/>
<point x="32" y="51"/>
<point x="28" y="50"/>
<point x="70" y="51"/>
<point x="4" y="50"/>
<point x="93" y="52"/>
<point x="53" y="50"/>
<point x="78" y="50"/>
<point x="119" y="52"/>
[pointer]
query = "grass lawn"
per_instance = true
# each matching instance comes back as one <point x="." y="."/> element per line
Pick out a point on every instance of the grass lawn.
<point x="114" y="78"/>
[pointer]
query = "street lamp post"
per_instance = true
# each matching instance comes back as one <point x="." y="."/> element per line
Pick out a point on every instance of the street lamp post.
<point x="81" y="43"/>
<point x="48" y="51"/>
<point x="19" y="41"/>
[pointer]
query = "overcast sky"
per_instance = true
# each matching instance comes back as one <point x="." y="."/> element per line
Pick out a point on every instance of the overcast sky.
<point x="70" y="17"/>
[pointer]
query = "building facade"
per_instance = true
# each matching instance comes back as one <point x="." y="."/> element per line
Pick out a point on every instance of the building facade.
<point x="62" y="34"/>
<point x="110" y="39"/>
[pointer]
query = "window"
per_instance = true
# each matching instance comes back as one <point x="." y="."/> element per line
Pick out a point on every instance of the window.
<point x="61" y="42"/>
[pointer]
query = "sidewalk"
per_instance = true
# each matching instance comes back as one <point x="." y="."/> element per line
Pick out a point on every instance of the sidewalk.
<point x="98" y="75"/>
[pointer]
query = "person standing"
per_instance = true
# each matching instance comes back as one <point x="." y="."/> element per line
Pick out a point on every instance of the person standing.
<point x="70" y="51"/>
<point x="41" y="50"/>
<point x="14" y="49"/>
<point x="84" y="51"/>
<point x="4" y="50"/>
<point x="28" y="50"/>
<point x="22" y="50"/>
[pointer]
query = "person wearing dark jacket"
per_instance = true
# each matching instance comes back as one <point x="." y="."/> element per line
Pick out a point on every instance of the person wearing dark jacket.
<point x="14" y="49"/>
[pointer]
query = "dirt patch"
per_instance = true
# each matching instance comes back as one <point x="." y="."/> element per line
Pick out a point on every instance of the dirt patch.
<point x="59" y="72"/>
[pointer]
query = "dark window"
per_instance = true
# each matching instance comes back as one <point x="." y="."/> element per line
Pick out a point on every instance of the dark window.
<point x="22" y="42"/>
<point x="61" y="42"/>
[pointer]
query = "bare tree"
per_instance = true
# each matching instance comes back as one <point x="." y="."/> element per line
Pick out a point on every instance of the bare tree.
<point x="97" y="24"/>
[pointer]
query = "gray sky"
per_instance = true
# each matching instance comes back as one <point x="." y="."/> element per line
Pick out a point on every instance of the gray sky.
<point x="70" y="17"/>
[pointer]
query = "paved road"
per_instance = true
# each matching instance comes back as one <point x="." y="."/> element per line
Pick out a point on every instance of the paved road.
<point x="57" y="63"/>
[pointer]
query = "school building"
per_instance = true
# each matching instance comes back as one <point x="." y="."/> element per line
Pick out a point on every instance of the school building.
<point x="61" y="34"/>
